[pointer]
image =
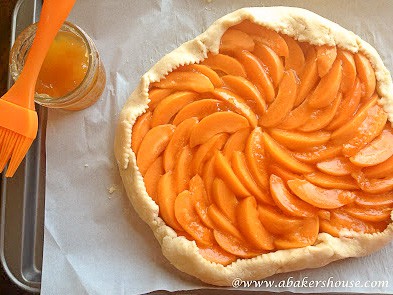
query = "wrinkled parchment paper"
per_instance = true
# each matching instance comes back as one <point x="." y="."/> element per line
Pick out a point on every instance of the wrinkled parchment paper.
<point x="94" y="241"/>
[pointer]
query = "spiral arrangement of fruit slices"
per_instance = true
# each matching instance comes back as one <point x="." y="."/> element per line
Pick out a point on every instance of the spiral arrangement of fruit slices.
<point x="265" y="145"/>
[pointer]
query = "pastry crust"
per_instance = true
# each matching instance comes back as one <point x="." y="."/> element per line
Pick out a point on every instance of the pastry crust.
<point x="303" y="25"/>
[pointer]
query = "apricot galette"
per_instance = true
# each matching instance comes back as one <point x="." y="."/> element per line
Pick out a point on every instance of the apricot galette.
<point x="262" y="146"/>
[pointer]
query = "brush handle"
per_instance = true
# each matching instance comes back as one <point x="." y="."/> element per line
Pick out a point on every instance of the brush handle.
<point x="53" y="14"/>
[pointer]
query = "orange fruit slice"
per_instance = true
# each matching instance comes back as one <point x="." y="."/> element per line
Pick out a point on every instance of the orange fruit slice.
<point x="376" y="152"/>
<point x="251" y="227"/>
<point x="286" y="201"/>
<point x="224" y="63"/>
<point x="244" y="88"/>
<point x="170" y="105"/>
<point x="212" y="125"/>
<point x="320" y="197"/>
<point x="349" y="70"/>
<point x="366" y="74"/>
<point x="166" y="196"/>
<point x="235" y="40"/>
<point x="205" y="70"/>
<point x="337" y="166"/>
<point x="295" y="59"/>
<point x="326" y="55"/>
<point x="299" y="140"/>
<point x="139" y="130"/>
<point x="283" y="103"/>
<point x="271" y="60"/>
<point x="152" y="176"/>
<point x="190" y="221"/>
<point x="192" y="81"/>
<point x="152" y="145"/>
<point x="225" y="199"/>
<point x="179" y="139"/>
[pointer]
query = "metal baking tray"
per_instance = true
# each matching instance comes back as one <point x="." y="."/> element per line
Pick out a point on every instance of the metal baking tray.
<point x="22" y="197"/>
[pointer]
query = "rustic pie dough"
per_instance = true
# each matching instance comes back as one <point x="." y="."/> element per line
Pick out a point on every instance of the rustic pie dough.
<point x="303" y="25"/>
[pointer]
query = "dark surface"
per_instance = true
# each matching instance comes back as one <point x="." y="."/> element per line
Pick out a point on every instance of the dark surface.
<point x="6" y="7"/>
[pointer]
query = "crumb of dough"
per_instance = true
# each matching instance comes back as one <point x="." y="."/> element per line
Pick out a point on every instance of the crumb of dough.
<point x="86" y="165"/>
<point x="112" y="189"/>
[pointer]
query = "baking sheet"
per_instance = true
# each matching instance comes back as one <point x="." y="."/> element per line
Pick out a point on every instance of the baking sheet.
<point x="94" y="241"/>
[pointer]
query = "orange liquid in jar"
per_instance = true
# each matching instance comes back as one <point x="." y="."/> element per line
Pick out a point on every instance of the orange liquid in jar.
<point x="64" y="67"/>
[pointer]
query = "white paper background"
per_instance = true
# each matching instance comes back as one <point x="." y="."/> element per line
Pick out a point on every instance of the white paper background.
<point x="94" y="241"/>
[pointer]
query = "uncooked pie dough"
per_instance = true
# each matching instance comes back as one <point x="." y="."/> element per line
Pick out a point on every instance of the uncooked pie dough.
<point x="262" y="146"/>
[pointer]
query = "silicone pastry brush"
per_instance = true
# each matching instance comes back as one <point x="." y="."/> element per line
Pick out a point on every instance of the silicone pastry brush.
<point x="18" y="118"/>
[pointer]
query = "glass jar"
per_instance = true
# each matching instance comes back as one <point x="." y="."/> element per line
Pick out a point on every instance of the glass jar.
<point x="88" y="91"/>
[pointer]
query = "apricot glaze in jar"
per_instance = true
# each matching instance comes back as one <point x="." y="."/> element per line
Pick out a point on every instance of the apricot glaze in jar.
<point x="72" y="76"/>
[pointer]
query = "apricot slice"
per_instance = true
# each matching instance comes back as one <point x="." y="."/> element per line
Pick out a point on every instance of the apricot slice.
<point x="237" y="104"/>
<point x="139" y="130"/>
<point x="345" y="132"/>
<point x="322" y="117"/>
<point x="197" y="188"/>
<point x="381" y="200"/>
<point x="305" y="235"/>
<point x="235" y="40"/>
<point x="200" y="199"/>
<point x="241" y="170"/>
<point x="381" y="170"/>
<point x="309" y="77"/>
<point x="366" y="74"/>
<point x="236" y="142"/>
<point x="213" y="124"/>
<point x="217" y="255"/>
<point x="255" y="157"/>
<point x="257" y="74"/>
<point x="225" y="199"/>
<point x="340" y="220"/>
<point x="283" y="156"/>
<point x="295" y="59"/>
<point x="222" y="223"/>
<point x="369" y="129"/>
<point x="328" y="87"/>
<point x="330" y="181"/>
<point x="170" y="105"/>
<point x="156" y="95"/>
<point x="201" y="210"/>
<point x="319" y="153"/>
<point x="179" y="139"/>
<point x="282" y="173"/>
<point x="287" y="202"/>
<point x="235" y="246"/>
<point x="224" y="63"/>
<point x="348" y="106"/>
<point x="209" y="147"/>
<point x="271" y="60"/>
<point x="152" y="176"/>
<point x="297" y="117"/>
<point x="224" y="171"/>
<point x="378" y="151"/>
<point x="373" y="185"/>
<point x="337" y="166"/>
<point x="326" y="55"/>
<point x="320" y="197"/>
<point x="251" y="227"/>
<point x="205" y="70"/>
<point x="152" y="145"/>
<point x="369" y="214"/>
<point x="349" y="70"/>
<point x="247" y="90"/>
<point x="276" y="221"/>
<point x="192" y="81"/>
<point x="200" y="109"/>
<point x="264" y="35"/>
<point x="283" y="103"/>
<point x="166" y="196"/>
<point x="190" y="221"/>
<point x="299" y="140"/>
<point x="182" y="172"/>
<point x="208" y="176"/>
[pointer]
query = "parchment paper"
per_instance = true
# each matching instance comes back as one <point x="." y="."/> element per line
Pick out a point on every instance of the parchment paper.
<point x="94" y="241"/>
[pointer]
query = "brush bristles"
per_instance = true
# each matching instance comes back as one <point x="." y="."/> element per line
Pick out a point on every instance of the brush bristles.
<point x="13" y="148"/>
